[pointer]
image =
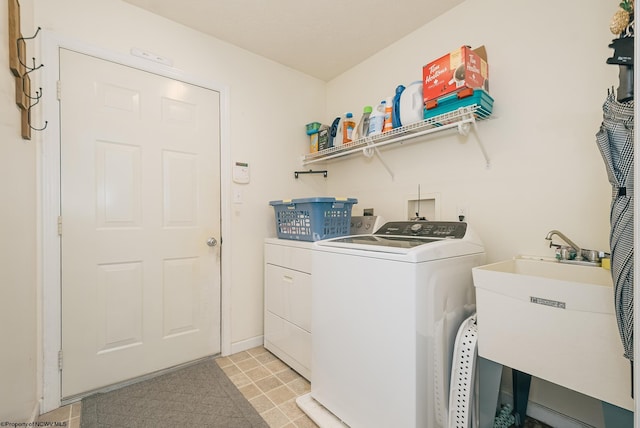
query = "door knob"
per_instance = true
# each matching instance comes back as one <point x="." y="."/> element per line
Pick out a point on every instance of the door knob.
<point x="212" y="242"/>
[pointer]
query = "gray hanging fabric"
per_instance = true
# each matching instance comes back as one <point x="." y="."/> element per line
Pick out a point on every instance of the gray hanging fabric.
<point x="615" y="141"/>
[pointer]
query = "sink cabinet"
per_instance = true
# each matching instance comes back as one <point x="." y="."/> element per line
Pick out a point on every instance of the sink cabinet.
<point x="287" y="300"/>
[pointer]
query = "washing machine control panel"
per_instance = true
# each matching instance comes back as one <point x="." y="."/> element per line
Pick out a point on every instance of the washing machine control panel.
<point x="425" y="229"/>
<point x="368" y="224"/>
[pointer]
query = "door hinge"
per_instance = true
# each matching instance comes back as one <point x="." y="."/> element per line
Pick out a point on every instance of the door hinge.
<point x="59" y="225"/>
<point x="59" y="90"/>
<point x="60" y="359"/>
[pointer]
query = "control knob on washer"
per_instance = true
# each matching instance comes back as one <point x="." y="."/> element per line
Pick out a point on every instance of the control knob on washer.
<point x="415" y="228"/>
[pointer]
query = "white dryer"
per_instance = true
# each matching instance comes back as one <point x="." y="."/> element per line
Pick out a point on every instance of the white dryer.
<point x="386" y="308"/>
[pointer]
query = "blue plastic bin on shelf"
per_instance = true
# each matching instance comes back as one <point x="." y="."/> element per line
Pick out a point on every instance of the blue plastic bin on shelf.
<point x="313" y="219"/>
<point x="449" y="103"/>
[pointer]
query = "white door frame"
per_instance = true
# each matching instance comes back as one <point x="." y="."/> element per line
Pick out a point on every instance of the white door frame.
<point x="49" y="275"/>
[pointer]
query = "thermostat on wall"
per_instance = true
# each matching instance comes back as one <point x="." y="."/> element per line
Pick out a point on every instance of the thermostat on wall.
<point x="241" y="173"/>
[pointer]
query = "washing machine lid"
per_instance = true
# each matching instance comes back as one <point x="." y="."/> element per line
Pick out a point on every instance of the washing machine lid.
<point x="381" y="241"/>
<point x="446" y="239"/>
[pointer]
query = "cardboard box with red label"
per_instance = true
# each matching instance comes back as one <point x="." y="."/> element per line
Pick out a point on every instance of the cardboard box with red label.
<point x="457" y="70"/>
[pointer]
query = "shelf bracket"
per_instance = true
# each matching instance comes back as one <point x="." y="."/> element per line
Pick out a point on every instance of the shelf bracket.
<point x="370" y="151"/>
<point x="323" y="172"/>
<point x="482" y="149"/>
<point x="463" y="128"/>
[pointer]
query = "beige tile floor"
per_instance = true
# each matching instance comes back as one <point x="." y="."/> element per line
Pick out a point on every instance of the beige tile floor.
<point x="70" y="415"/>
<point x="268" y="383"/>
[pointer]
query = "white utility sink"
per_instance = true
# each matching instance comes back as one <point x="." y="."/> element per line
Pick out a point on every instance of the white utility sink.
<point x="554" y="321"/>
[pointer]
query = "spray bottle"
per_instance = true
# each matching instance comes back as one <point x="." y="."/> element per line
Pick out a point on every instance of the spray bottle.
<point x="362" y="130"/>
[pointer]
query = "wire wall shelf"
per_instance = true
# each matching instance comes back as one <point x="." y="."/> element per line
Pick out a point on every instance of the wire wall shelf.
<point x="463" y="119"/>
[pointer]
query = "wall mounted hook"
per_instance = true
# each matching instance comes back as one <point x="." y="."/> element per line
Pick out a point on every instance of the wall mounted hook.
<point x="324" y="172"/>
<point x="39" y="95"/>
<point x="20" y="44"/>
<point x="25" y="99"/>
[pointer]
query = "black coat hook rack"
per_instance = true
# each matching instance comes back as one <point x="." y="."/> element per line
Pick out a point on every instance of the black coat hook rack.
<point x="323" y="172"/>
<point x="25" y="98"/>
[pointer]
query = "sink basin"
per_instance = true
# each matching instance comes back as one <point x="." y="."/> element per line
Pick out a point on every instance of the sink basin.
<point x="554" y="321"/>
<point x="576" y="287"/>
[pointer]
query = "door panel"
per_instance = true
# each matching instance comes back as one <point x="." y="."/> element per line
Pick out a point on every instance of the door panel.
<point x="140" y="196"/>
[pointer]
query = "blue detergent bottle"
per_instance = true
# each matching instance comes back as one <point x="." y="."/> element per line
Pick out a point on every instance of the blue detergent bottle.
<point x="395" y="118"/>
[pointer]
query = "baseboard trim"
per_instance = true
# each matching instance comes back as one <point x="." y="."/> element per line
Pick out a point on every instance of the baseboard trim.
<point x="243" y="345"/>
<point x="35" y="413"/>
<point x="546" y="414"/>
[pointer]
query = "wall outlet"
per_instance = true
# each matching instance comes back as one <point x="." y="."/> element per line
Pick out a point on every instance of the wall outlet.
<point x="462" y="212"/>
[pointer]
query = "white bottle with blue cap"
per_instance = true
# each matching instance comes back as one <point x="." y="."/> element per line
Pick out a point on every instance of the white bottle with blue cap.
<point x="376" y="119"/>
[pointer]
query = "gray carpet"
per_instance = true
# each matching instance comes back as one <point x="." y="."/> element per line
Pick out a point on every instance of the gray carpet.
<point x="200" y="396"/>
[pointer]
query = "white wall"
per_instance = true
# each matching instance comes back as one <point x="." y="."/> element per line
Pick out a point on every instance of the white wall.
<point x="549" y="79"/>
<point x="269" y="105"/>
<point x="18" y="282"/>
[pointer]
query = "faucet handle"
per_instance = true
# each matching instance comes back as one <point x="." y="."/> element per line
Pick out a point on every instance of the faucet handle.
<point x="564" y="252"/>
<point x="590" y="255"/>
<point x="594" y="255"/>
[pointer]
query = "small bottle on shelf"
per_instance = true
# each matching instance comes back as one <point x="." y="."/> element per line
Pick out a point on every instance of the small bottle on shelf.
<point x="348" y="126"/>
<point x="376" y="119"/>
<point x="362" y="130"/>
<point x="388" y="115"/>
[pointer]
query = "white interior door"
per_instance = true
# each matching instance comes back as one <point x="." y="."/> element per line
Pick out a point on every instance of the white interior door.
<point x="140" y="198"/>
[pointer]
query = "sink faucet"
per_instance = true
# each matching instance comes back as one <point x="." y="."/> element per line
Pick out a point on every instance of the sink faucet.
<point x="577" y="249"/>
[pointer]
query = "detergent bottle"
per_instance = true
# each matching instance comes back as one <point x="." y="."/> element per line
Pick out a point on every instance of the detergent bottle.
<point x="335" y="133"/>
<point x="412" y="104"/>
<point x="348" y="125"/>
<point x="362" y="130"/>
<point x="376" y="119"/>
<point x="388" y="115"/>
<point x="396" y="107"/>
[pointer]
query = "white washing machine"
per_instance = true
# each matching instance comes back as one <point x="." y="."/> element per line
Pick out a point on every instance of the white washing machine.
<point x="386" y="308"/>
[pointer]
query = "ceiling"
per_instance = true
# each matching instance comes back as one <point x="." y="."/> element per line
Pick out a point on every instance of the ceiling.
<point x="320" y="38"/>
